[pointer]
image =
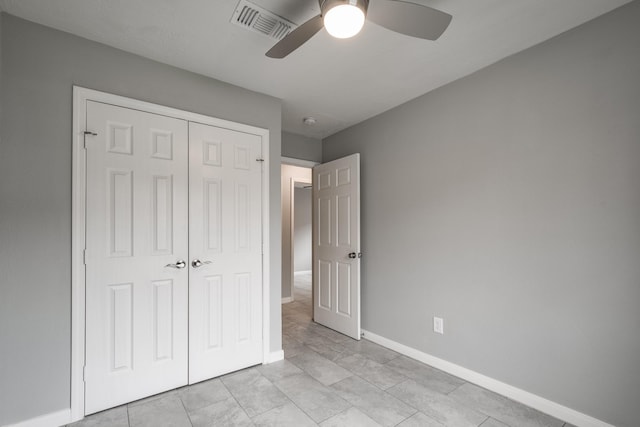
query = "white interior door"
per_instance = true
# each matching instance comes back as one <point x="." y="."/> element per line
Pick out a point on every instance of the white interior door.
<point x="336" y="245"/>
<point x="136" y="224"/>
<point x="225" y="205"/>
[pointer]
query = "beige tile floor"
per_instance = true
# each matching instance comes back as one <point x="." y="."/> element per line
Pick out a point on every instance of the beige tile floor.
<point x="326" y="379"/>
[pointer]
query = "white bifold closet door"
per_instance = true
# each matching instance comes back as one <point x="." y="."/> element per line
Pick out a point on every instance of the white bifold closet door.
<point x="137" y="220"/>
<point x="225" y="240"/>
<point x="173" y="254"/>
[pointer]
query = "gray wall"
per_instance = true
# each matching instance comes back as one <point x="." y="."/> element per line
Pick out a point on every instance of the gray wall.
<point x="1" y="97"/>
<point x="40" y="65"/>
<point x="508" y="202"/>
<point x="302" y="230"/>
<point x="301" y="147"/>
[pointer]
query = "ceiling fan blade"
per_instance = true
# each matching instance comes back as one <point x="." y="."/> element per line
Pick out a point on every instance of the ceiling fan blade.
<point x="296" y="38"/>
<point x="412" y="19"/>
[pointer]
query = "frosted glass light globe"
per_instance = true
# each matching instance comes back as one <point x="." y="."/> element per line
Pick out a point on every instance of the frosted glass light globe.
<point x="344" y="21"/>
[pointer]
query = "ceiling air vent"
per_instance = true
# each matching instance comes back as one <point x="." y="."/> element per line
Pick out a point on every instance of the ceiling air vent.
<point x="259" y="20"/>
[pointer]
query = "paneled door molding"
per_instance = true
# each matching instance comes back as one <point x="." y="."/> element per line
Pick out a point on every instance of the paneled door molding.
<point x="336" y="245"/>
<point x="81" y="98"/>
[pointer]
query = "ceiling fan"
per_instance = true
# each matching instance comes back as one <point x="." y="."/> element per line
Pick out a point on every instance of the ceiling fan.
<point x="345" y="18"/>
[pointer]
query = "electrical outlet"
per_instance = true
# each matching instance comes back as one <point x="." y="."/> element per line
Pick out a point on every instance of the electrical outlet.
<point x="438" y="325"/>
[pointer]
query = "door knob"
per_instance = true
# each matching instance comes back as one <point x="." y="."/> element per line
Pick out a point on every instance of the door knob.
<point x="180" y="264"/>
<point x="353" y="255"/>
<point x="197" y="263"/>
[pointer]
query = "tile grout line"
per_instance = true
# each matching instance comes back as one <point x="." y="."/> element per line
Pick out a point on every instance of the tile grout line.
<point x="185" y="410"/>
<point x="485" y="420"/>
<point x="290" y="400"/>
<point x="303" y="411"/>
<point x="243" y="408"/>
<point x="269" y="410"/>
<point x="457" y="387"/>
<point x="238" y="403"/>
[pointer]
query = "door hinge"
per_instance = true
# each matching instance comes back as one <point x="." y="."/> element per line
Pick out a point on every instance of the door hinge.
<point x="84" y="256"/>
<point x="84" y="373"/>
<point x="86" y="132"/>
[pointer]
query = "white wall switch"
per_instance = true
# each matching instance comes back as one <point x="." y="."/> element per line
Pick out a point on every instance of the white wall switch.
<point x="438" y="325"/>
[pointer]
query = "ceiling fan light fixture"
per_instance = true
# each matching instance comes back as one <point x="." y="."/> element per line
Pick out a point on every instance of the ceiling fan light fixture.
<point x="344" y="19"/>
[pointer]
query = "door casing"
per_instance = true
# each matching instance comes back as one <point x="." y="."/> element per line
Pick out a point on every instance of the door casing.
<point x="78" y="236"/>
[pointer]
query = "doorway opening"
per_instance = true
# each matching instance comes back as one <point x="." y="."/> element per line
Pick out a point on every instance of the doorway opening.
<point x="297" y="265"/>
<point x="336" y="253"/>
<point x="301" y="244"/>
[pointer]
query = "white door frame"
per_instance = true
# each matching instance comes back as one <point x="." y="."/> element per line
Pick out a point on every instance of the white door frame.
<point x="78" y="217"/>
<point x="298" y="162"/>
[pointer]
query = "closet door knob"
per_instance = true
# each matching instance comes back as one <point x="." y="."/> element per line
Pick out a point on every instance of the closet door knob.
<point x="197" y="263"/>
<point x="179" y="265"/>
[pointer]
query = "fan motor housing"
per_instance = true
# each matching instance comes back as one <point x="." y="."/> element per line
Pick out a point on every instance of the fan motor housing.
<point x="326" y="5"/>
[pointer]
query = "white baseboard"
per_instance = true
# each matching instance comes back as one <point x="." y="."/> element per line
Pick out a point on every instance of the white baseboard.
<point x="286" y="300"/>
<point x="534" y="401"/>
<point x="275" y="356"/>
<point x="58" y="418"/>
<point x="301" y="272"/>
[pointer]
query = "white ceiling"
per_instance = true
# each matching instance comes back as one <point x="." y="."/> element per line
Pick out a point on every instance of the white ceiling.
<point x="339" y="82"/>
